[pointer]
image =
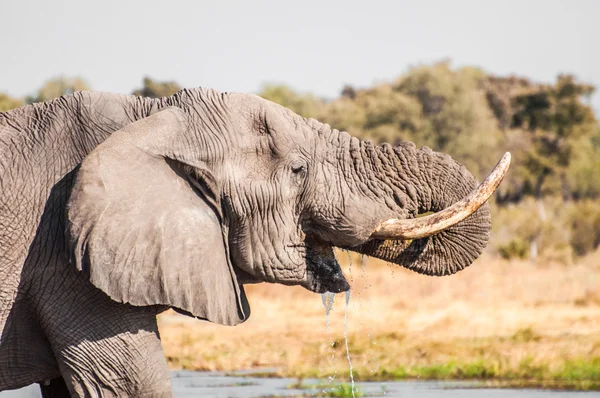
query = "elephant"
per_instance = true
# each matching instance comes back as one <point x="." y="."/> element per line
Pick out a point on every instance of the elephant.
<point x="115" y="208"/>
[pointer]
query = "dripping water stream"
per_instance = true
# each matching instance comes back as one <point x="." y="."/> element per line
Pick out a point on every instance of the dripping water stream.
<point x="328" y="299"/>
<point x="346" y="337"/>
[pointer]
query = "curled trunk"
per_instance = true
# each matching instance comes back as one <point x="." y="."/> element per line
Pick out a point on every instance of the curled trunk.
<point x="439" y="183"/>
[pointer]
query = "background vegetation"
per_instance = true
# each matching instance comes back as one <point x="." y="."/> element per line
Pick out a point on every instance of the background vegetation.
<point x="547" y="208"/>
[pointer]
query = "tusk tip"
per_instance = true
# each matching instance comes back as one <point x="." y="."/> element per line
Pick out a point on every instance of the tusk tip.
<point x="502" y="166"/>
<point x="506" y="158"/>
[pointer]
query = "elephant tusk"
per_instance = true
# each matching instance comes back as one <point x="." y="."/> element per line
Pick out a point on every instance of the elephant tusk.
<point x="423" y="227"/>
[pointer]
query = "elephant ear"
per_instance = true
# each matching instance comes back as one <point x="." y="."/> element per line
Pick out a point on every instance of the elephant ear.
<point x="144" y="223"/>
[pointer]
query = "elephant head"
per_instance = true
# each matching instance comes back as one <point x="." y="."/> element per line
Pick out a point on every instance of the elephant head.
<point x="209" y="191"/>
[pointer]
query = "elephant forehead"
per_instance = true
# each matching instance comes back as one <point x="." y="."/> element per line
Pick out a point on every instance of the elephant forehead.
<point x="328" y="155"/>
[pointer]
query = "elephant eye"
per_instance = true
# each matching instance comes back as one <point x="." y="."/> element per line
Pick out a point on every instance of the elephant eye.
<point x="299" y="170"/>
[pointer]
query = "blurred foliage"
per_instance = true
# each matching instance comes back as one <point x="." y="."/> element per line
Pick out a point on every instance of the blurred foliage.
<point x="571" y="229"/>
<point x="516" y="247"/>
<point x="155" y="89"/>
<point x="548" y="204"/>
<point x="56" y="87"/>
<point x="584" y="225"/>
<point x="8" y="103"/>
<point x="303" y="104"/>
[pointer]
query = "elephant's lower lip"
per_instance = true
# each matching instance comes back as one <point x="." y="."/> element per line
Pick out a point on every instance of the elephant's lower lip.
<point x="338" y="290"/>
<point x="338" y="285"/>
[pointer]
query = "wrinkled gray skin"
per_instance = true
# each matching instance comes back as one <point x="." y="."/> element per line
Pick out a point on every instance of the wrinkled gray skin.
<point x="114" y="208"/>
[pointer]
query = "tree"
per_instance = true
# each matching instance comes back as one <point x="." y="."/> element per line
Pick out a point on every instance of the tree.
<point x="7" y="103"/>
<point x="556" y="120"/>
<point x="156" y="89"/>
<point x="303" y="104"/>
<point x="58" y="86"/>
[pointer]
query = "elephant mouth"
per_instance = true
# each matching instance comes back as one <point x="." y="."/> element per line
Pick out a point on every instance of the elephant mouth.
<point x="324" y="273"/>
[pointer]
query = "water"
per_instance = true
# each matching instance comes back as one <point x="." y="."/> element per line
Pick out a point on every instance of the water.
<point x="188" y="384"/>
<point x="346" y="338"/>
<point x="327" y="299"/>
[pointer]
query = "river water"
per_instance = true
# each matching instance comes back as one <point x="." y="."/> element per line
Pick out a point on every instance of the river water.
<point x="214" y="384"/>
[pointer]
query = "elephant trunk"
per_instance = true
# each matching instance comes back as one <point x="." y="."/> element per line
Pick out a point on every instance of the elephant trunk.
<point x="437" y="182"/>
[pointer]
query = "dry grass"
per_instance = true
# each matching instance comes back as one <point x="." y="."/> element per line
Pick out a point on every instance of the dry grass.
<point x="496" y="319"/>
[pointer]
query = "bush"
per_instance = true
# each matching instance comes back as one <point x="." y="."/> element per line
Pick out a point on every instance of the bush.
<point x="584" y="225"/>
<point x="515" y="248"/>
<point x="557" y="230"/>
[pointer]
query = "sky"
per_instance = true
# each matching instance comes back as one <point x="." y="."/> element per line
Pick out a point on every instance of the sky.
<point x="313" y="46"/>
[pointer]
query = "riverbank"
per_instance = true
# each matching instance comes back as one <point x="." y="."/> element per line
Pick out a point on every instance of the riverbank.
<point x="505" y="322"/>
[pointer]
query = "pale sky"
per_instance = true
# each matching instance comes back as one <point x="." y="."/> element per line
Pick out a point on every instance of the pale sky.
<point x="313" y="46"/>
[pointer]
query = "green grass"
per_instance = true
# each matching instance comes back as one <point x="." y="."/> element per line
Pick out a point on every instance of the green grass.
<point x="581" y="374"/>
<point x="323" y="390"/>
<point x="340" y="390"/>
